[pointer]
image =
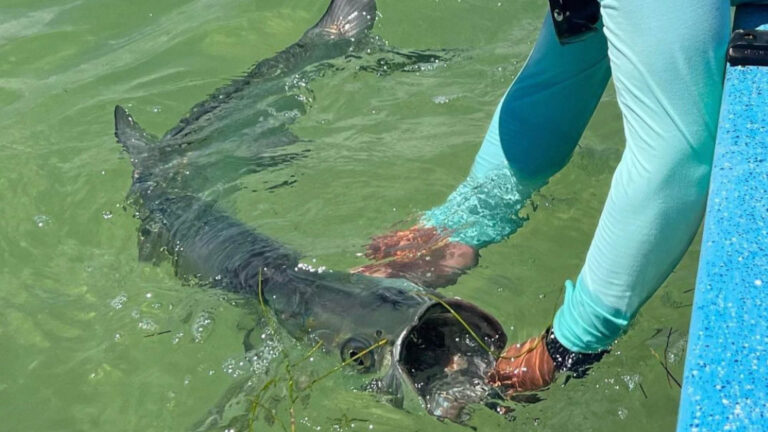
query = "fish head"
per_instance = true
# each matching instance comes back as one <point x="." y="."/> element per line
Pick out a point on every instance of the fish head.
<point x="359" y="317"/>
<point x="440" y="348"/>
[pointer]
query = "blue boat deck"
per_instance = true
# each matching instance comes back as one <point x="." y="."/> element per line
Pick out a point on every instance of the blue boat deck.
<point x="725" y="386"/>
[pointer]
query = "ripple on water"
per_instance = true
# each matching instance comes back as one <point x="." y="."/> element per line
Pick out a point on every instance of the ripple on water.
<point x="119" y="301"/>
<point x="202" y="326"/>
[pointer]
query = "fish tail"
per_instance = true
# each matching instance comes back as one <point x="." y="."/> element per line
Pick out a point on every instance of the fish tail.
<point x="345" y="19"/>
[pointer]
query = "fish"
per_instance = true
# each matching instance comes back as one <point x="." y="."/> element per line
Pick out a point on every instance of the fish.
<point x="411" y="337"/>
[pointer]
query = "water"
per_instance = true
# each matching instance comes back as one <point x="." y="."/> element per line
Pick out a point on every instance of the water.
<point x="91" y="339"/>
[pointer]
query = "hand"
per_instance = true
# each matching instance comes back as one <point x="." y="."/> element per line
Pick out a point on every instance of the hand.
<point x="523" y="367"/>
<point x="420" y="254"/>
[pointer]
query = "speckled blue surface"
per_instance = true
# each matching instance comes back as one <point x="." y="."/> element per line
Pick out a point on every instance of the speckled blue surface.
<point x="726" y="372"/>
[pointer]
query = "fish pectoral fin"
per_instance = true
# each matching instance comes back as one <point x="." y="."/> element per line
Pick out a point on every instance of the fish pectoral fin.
<point x="345" y="19"/>
<point x="152" y="240"/>
<point x="392" y="387"/>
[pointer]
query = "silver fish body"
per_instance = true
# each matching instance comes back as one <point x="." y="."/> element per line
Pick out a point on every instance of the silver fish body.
<point x="416" y="335"/>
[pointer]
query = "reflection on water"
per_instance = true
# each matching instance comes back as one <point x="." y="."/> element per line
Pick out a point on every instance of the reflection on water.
<point x="92" y="339"/>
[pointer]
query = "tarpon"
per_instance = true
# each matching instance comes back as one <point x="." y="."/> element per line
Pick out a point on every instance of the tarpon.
<point x="418" y="338"/>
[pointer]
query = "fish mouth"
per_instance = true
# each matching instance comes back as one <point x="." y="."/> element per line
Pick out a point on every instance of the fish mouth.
<point x="446" y="355"/>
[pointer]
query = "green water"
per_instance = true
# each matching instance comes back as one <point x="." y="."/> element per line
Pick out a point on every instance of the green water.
<point x="77" y="306"/>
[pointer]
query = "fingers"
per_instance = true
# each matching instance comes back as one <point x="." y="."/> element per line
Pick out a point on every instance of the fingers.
<point x="382" y="247"/>
<point x="420" y="254"/>
<point x="410" y="242"/>
<point x="385" y="246"/>
<point x="428" y="271"/>
<point x="376" y="270"/>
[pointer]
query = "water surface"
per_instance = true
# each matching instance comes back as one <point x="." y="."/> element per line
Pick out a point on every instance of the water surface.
<point x="91" y="339"/>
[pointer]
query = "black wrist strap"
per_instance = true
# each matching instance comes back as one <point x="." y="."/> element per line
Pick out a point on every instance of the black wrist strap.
<point x="569" y="361"/>
<point x="574" y="20"/>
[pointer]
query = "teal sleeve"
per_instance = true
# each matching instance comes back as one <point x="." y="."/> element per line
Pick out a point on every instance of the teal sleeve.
<point x="532" y="135"/>
<point x="482" y="210"/>
<point x="667" y="60"/>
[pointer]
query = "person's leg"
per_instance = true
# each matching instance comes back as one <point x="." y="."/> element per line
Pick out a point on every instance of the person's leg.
<point x="667" y="60"/>
<point x="532" y="135"/>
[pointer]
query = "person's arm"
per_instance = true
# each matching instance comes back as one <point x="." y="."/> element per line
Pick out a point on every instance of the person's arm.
<point x="532" y="135"/>
<point x="667" y="60"/>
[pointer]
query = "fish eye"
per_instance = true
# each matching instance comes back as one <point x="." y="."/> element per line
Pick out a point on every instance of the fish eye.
<point x="352" y="349"/>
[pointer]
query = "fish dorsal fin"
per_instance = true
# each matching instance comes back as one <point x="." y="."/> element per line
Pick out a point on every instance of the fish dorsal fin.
<point x="345" y="19"/>
<point x="135" y="140"/>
